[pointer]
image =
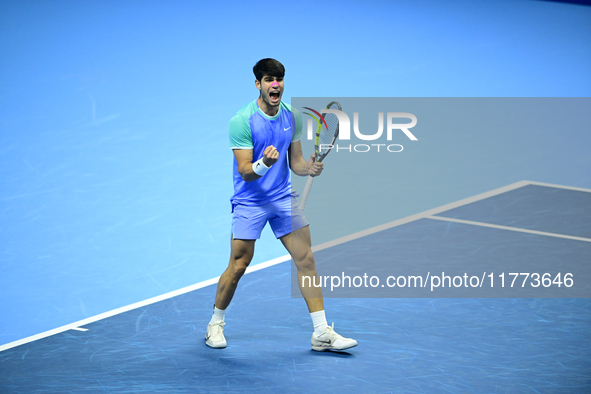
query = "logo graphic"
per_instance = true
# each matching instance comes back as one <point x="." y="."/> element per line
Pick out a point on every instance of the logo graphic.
<point x="345" y="129"/>
<point x="316" y="119"/>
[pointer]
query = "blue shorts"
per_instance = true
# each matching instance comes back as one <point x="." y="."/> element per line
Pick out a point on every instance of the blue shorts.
<point x="283" y="215"/>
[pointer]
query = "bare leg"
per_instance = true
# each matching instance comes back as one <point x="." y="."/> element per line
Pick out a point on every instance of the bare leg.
<point x="299" y="246"/>
<point x="240" y="257"/>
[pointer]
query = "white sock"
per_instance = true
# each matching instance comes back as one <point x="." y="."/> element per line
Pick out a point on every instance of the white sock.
<point x="319" y="321"/>
<point x="218" y="315"/>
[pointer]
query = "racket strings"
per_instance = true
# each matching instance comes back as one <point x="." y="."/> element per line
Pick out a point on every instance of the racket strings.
<point x="327" y="136"/>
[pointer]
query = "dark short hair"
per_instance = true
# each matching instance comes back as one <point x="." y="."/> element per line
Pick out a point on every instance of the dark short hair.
<point x="270" y="67"/>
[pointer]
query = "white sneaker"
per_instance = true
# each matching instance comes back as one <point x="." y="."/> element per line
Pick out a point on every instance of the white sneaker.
<point x="330" y="340"/>
<point x="215" y="335"/>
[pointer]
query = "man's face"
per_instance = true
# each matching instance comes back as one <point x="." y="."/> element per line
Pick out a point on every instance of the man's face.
<point x="271" y="90"/>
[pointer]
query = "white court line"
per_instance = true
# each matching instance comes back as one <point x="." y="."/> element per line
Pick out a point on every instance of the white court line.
<point x="77" y="326"/>
<point x="579" y="189"/>
<point x="266" y="264"/>
<point x="521" y="230"/>
<point x="421" y="215"/>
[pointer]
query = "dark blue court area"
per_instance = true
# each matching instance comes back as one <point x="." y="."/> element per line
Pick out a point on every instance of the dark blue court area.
<point x="406" y="345"/>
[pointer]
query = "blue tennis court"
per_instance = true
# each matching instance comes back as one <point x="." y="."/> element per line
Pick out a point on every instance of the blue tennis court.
<point x="406" y="345"/>
<point x="115" y="179"/>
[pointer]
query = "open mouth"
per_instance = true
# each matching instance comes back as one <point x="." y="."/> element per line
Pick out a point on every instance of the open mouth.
<point x="275" y="95"/>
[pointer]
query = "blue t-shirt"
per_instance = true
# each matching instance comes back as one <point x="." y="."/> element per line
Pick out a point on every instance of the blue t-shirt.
<point x="252" y="129"/>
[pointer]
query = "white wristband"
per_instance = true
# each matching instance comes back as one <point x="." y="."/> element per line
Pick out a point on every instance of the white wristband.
<point x="260" y="168"/>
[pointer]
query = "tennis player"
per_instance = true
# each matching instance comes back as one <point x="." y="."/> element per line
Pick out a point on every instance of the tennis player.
<point x="265" y="138"/>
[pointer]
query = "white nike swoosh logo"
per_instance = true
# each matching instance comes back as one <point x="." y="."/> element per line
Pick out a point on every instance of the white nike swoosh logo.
<point x="287" y="128"/>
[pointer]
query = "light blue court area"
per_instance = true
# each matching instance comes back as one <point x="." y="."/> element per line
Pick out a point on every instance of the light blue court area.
<point x="416" y="345"/>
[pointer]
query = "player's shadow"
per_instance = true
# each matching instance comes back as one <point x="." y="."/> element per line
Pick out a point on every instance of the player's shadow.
<point x="332" y="353"/>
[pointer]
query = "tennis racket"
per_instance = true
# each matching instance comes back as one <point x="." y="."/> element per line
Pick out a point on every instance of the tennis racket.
<point x="326" y="135"/>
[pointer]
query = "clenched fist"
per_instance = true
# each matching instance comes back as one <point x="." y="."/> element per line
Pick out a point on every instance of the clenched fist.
<point x="270" y="156"/>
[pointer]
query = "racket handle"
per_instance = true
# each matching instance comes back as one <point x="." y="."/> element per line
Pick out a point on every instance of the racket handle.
<point x="306" y="192"/>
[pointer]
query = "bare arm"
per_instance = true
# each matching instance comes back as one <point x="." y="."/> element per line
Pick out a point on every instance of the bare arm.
<point x="244" y="161"/>
<point x="298" y="164"/>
